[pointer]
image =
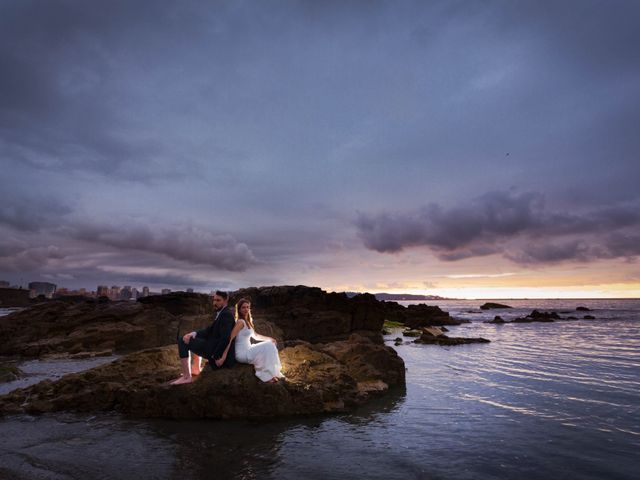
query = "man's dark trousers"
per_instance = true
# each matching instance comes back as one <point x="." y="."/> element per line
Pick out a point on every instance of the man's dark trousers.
<point x="211" y="342"/>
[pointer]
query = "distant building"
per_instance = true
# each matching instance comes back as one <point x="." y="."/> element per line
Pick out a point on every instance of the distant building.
<point x="102" y="291"/>
<point x="114" y="294"/>
<point x="4" y="284"/>
<point x="125" y="293"/>
<point x="43" y="288"/>
<point x="134" y="293"/>
<point x="189" y="290"/>
<point x="165" y="291"/>
<point x="145" y="291"/>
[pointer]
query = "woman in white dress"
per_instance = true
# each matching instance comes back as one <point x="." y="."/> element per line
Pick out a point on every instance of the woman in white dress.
<point x="263" y="356"/>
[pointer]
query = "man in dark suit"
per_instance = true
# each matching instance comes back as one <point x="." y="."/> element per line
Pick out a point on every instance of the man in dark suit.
<point x="209" y="342"/>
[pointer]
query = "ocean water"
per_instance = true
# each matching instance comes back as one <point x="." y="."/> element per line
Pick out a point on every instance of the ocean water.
<point x="542" y="400"/>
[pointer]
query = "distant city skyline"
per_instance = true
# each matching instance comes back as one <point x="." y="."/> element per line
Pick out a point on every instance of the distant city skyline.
<point x="461" y="149"/>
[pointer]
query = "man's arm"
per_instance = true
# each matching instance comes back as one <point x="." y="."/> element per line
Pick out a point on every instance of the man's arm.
<point x="226" y="327"/>
<point x="203" y="332"/>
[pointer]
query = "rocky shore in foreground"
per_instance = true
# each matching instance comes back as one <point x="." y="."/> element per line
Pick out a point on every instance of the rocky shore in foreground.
<point x="331" y="349"/>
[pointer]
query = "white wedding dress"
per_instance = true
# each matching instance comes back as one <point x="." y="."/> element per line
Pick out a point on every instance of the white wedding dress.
<point x="263" y="356"/>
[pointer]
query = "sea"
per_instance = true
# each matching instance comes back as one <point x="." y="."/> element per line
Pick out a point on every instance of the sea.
<point x="554" y="400"/>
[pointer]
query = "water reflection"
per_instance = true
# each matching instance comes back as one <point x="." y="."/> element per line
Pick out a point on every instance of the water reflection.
<point x="69" y="446"/>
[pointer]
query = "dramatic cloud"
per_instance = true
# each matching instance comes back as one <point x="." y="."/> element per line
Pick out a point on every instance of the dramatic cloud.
<point x="493" y="215"/>
<point x="180" y="243"/>
<point x="497" y="222"/>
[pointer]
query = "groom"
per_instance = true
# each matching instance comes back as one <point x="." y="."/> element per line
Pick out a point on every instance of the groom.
<point x="209" y="342"/>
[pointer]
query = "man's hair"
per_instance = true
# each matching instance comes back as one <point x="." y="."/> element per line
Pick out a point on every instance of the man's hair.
<point x="222" y="294"/>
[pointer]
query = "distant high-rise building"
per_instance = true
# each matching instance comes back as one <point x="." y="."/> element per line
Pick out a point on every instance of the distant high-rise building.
<point x="114" y="293"/>
<point x="134" y="293"/>
<point x="165" y="291"/>
<point x="102" y="291"/>
<point x="43" y="288"/>
<point x="145" y="291"/>
<point x="125" y="293"/>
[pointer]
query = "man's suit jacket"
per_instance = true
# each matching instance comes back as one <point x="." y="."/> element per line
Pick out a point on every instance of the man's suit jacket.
<point x="217" y="337"/>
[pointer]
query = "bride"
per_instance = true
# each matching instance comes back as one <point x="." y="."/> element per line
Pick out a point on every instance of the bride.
<point x="263" y="356"/>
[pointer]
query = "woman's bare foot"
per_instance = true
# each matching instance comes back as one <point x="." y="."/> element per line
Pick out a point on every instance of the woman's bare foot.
<point x="181" y="381"/>
<point x="273" y="380"/>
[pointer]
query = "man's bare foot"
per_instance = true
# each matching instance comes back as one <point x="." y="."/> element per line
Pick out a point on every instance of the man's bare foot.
<point x="181" y="381"/>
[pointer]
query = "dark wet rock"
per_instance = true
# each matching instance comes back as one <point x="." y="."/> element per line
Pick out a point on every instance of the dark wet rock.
<point x="435" y="336"/>
<point x="497" y="320"/>
<point x="589" y="317"/>
<point x="445" y="340"/>
<point x="397" y="341"/>
<point x="9" y="371"/>
<point x="492" y="305"/>
<point x="544" y="315"/>
<point x="537" y="316"/>
<point x="571" y="318"/>
<point x="583" y="309"/>
<point x="333" y="377"/>
<point x="412" y="332"/>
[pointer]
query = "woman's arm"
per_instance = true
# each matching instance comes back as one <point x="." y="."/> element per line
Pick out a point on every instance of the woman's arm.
<point x="237" y="327"/>
<point x="263" y="338"/>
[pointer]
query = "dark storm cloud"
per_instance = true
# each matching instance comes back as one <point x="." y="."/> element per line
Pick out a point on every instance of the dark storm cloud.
<point x="493" y="215"/>
<point x="31" y="214"/>
<point x="187" y="244"/>
<point x="14" y="258"/>
<point x="184" y="280"/>
<point x="496" y="221"/>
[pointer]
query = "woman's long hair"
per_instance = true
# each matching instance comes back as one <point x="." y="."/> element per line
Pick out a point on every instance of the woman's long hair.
<point x="248" y="320"/>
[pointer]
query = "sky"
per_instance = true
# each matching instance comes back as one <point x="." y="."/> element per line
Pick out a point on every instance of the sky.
<point x="457" y="148"/>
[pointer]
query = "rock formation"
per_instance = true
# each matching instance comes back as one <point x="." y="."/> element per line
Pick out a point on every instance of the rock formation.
<point x="332" y="377"/>
<point x="435" y="336"/>
<point x="334" y="357"/>
<point x="491" y="306"/>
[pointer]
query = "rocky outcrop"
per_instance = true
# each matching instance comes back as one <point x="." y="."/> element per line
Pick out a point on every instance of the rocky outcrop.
<point x="583" y="309"/>
<point x="311" y="314"/>
<point x="498" y="320"/>
<point x="56" y="327"/>
<point x="537" y="316"/>
<point x="435" y="336"/>
<point x="285" y="313"/>
<point x="491" y="306"/>
<point x="417" y="316"/>
<point x="9" y="371"/>
<point x="14" y="297"/>
<point x="332" y="377"/>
